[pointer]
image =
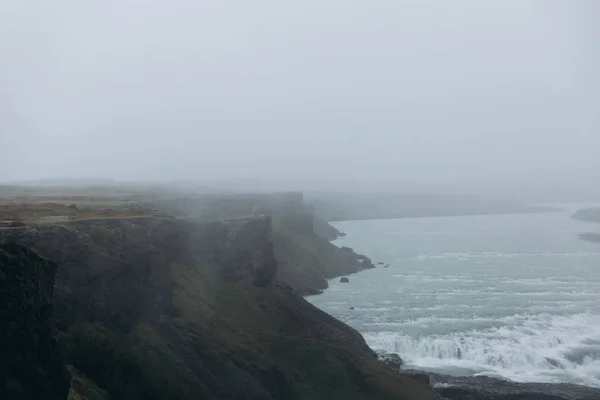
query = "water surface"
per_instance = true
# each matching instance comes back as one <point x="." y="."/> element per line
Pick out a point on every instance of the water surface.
<point x="514" y="296"/>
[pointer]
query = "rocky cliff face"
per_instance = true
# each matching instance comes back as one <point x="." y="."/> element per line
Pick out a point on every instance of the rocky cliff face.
<point x="243" y="249"/>
<point x="176" y="309"/>
<point x="300" y="239"/>
<point x="30" y="367"/>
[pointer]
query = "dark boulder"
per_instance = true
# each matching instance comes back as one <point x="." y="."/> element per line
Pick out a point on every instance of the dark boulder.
<point x="392" y="360"/>
<point x="344" y="280"/>
<point x="30" y="366"/>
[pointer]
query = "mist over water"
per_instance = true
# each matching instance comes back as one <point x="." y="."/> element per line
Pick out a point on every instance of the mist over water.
<point x="513" y="296"/>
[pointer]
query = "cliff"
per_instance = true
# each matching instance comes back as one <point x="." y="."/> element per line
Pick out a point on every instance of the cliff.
<point x="152" y="308"/>
<point x="30" y="367"/>
<point x="301" y="239"/>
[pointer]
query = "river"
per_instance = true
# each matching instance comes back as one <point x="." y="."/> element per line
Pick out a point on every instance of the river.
<point x="511" y="296"/>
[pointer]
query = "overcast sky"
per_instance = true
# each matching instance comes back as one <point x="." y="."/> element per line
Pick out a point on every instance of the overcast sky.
<point x="389" y="90"/>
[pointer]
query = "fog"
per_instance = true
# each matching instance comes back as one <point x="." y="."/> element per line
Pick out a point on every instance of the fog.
<point x="393" y="91"/>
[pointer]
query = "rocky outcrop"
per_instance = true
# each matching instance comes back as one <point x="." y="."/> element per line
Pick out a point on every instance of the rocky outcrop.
<point x="307" y="261"/>
<point x="392" y="360"/>
<point x="30" y="367"/>
<point x="349" y="261"/>
<point x="484" y="388"/>
<point x="325" y="230"/>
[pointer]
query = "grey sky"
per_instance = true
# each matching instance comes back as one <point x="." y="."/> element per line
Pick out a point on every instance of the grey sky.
<point x="393" y="90"/>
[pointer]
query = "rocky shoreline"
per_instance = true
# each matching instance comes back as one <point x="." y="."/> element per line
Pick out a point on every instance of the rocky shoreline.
<point x="486" y="388"/>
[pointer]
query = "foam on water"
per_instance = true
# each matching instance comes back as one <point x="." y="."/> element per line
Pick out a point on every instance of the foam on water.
<point x="543" y="348"/>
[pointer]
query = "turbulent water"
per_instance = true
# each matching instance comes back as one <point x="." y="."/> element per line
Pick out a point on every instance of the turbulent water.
<point x="512" y="296"/>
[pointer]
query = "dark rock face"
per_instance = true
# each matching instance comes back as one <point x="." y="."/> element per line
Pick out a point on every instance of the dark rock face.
<point x="344" y="280"/>
<point x="307" y="259"/>
<point x="349" y="261"/>
<point x="244" y="250"/>
<point x="30" y="367"/>
<point x="325" y="230"/>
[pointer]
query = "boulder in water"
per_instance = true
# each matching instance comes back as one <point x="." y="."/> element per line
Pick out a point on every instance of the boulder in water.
<point x="344" y="280"/>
